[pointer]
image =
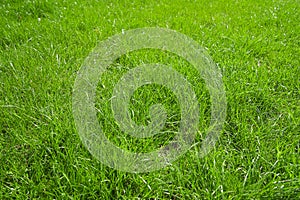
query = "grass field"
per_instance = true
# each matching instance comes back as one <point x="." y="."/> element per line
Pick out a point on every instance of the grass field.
<point x="255" y="43"/>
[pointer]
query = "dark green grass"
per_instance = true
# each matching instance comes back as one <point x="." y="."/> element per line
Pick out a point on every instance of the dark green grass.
<point x="254" y="43"/>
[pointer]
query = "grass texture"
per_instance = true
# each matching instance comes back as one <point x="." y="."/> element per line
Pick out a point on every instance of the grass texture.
<point x="255" y="43"/>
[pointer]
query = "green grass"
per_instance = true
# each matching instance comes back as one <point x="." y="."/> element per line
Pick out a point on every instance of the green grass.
<point x="254" y="43"/>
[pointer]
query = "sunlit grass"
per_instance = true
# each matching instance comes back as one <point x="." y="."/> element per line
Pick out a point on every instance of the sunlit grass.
<point x="254" y="43"/>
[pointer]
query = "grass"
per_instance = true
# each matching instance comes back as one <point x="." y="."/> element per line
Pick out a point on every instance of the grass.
<point x="254" y="43"/>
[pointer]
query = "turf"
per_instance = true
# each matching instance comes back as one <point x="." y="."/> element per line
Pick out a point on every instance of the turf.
<point x="255" y="44"/>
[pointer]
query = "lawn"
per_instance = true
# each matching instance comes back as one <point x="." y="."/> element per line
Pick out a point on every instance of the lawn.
<point x="254" y="43"/>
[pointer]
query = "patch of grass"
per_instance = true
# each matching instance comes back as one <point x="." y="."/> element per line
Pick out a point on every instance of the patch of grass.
<point x="254" y="43"/>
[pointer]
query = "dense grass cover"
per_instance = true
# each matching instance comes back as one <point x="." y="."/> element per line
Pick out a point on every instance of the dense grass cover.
<point x="255" y="43"/>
